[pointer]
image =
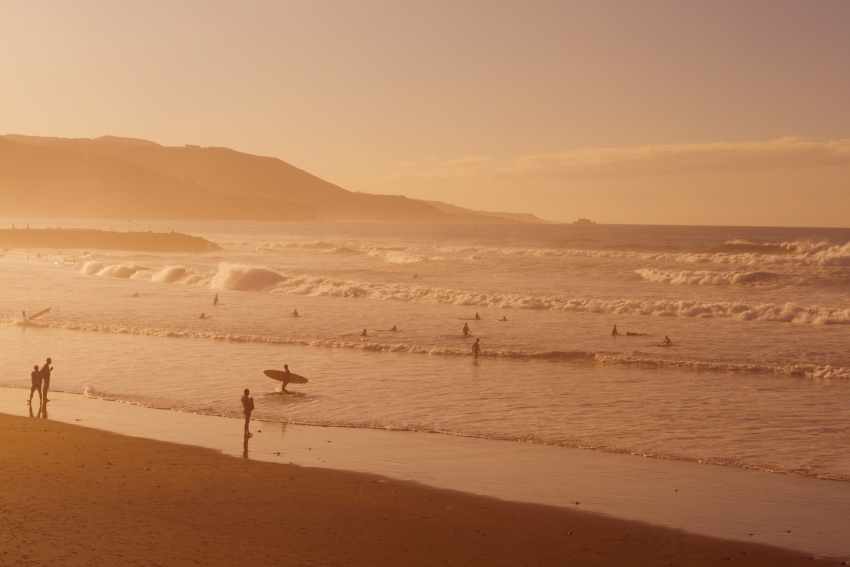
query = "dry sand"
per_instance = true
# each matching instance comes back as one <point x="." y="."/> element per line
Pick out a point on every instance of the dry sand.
<point x="76" y="496"/>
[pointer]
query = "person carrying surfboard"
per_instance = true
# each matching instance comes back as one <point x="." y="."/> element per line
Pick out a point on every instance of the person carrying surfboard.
<point x="476" y="348"/>
<point x="247" y="408"/>
<point x="285" y="379"/>
<point x="465" y="330"/>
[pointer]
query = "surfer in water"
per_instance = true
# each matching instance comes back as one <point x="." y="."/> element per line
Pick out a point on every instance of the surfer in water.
<point x="136" y="294"/>
<point x="465" y="330"/>
<point x="476" y="348"/>
<point x="615" y="333"/>
<point x="45" y="379"/>
<point x="202" y="316"/>
<point x="363" y="334"/>
<point x="36" y="383"/>
<point x="394" y="329"/>
<point x="477" y="317"/>
<point x="503" y="319"/>
<point x="630" y="334"/>
<point x="295" y="313"/>
<point x="215" y="301"/>
<point x="355" y="294"/>
<point x="667" y="341"/>
<point x="247" y="408"/>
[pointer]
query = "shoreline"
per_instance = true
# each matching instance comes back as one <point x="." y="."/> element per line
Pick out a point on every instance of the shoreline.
<point x="129" y="500"/>
<point x="707" y="500"/>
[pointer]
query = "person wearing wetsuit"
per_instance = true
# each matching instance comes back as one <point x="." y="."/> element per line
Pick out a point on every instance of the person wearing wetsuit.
<point x="247" y="408"/>
<point x="667" y="341"/>
<point x="36" y="383"/>
<point x="465" y="330"/>
<point x="476" y="348"/>
<point x="45" y="379"/>
<point x="285" y="379"/>
<point x="614" y="333"/>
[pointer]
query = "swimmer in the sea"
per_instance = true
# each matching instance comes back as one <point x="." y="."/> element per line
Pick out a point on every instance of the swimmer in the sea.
<point x="215" y="300"/>
<point x="136" y="295"/>
<point x="394" y="329"/>
<point x="466" y="330"/>
<point x="477" y="317"/>
<point x="667" y="341"/>
<point x="202" y="316"/>
<point x="476" y="348"/>
<point x="503" y="319"/>
<point x="295" y="313"/>
<point x="345" y="294"/>
<point x="355" y="294"/>
<point x="614" y="333"/>
<point x="363" y="334"/>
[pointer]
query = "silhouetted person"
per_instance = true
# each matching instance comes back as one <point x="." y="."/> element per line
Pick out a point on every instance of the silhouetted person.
<point x="36" y="384"/>
<point x="345" y="294"/>
<point x="394" y="329"/>
<point x="465" y="330"/>
<point x="363" y="334"/>
<point x="202" y="316"/>
<point x="503" y="319"/>
<point x="247" y="408"/>
<point x="476" y="348"/>
<point x="477" y="317"/>
<point x="45" y="379"/>
<point x="286" y="374"/>
<point x="215" y="300"/>
<point x="667" y="341"/>
<point x="356" y="294"/>
<point x="136" y="295"/>
<point x="614" y="333"/>
<point x="295" y="313"/>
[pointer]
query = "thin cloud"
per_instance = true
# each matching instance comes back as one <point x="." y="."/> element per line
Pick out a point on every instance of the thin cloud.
<point x="669" y="159"/>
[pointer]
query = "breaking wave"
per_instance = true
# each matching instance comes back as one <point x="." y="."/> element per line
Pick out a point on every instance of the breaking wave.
<point x="240" y="277"/>
<point x="703" y="277"/>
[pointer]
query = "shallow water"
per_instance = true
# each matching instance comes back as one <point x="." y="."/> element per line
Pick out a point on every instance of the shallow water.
<point x="759" y="374"/>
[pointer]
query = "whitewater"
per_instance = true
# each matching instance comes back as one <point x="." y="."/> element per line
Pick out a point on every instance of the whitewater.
<point x="758" y="377"/>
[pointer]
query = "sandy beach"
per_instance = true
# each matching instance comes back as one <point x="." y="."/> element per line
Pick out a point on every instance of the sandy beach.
<point x="78" y="496"/>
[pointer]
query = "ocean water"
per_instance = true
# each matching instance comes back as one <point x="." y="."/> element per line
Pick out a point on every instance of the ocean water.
<point x="758" y="375"/>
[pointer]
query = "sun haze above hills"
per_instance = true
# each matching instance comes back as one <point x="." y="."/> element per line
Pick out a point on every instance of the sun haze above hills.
<point x="113" y="177"/>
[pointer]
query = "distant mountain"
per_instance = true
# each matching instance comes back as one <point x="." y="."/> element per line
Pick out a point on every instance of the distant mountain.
<point x="142" y="179"/>
<point x="488" y="216"/>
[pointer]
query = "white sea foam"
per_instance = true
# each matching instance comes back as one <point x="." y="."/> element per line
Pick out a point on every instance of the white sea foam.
<point x="239" y="277"/>
<point x="703" y="277"/>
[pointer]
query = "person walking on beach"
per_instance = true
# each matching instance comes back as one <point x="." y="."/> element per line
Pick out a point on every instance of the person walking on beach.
<point x="45" y="379"/>
<point x="247" y="408"/>
<point x="476" y="348"/>
<point x="36" y="384"/>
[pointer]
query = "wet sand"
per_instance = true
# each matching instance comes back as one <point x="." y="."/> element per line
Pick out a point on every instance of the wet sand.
<point x="76" y="496"/>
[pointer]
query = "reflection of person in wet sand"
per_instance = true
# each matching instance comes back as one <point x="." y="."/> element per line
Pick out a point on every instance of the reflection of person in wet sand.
<point x="36" y="384"/>
<point x="295" y="313"/>
<point x="45" y="379"/>
<point x="465" y="330"/>
<point x="614" y="333"/>
<point x="247" y="408"/>
<point x="215" y="300"/>
<point x="476" y="348"/>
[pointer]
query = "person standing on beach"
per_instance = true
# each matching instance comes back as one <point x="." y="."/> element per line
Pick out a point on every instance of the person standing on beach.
<point x="476" y="348"/>
<point x="45" y="378"/>
<point x="215" y="301"/>
<point x="247" y="408"/>
<point x="36" y="383"/>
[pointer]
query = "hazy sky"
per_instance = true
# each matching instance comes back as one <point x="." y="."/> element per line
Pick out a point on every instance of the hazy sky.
<point x="731" y="112"/>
